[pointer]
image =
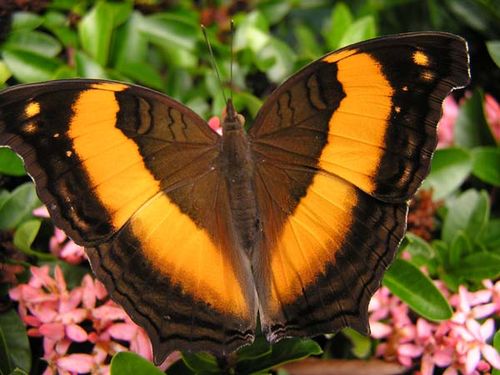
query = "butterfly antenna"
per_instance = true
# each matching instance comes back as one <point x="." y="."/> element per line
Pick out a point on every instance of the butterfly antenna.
<point x="212" y="61"/>
<point x="232" y="59"/>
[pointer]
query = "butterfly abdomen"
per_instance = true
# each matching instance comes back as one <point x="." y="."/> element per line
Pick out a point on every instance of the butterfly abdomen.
<point x="238" y="168"/>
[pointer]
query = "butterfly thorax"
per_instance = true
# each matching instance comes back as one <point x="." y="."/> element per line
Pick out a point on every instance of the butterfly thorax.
<point x="238" y="168"/>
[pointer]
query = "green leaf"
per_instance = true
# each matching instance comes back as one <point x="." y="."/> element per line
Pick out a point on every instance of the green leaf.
<point x="274" y="10"/>
<point x="14" y="334"/>
<point x="29" y="67"/>
<point x="96" y="28"/>
<point x="18" y="371"/>
<point x="58" y="24"/>
<point x="10" y="163"/>
<point x="24" y="237"/>
<point x="471" y="128"/>
<point x="258" y="349"/>
<point x="489" y="236"/>
<point x="246" y="100"/>
<point x="283" y="58"/>
<point x="341" y="20"/>
<point x="494" y="50"/>
<point x="88" y="68"/>
<point x="496" y="345"/>
<point x="5" y="73"/>
<point x="480" y="266"/>
<point x="418" y="246"/>
<point x="468" y="213"/>
<point x="18" y="207"/>
<point x="252" y="32"/>
<point x="5" y="360"/>
<point x="458" y="248"/>
<point x="486" y="164"/>
<point x="360" y="30"/>
<point x="307" y="42"/>
<point x="143" y="73"/>
<point x="201" y="363"/>
<point x="33" y="41"/>
<point x="414" y="288"/>
<point x="284" y="351"/>
<point x="361" y="345"/>
<point x="450" y="167"/>
<point x="130" y="363"/>
<point x="130" y="45"/>
<point x="170" y="31"/>
<point x="25" y="21"/>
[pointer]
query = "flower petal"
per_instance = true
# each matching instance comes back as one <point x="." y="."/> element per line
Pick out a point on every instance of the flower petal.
<point x="491" y="355"/>
<point x="472" y="359"/>
<point x="123" y="331"/>
<point x="79" y="363"/>
<point x="76" y="333"/>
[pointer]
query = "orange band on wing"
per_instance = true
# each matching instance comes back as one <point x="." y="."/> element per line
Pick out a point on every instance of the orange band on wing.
<point x="174" y="245"/>
<point x="356" y="139"/>
<point x="311" y="236"/>
<point x="184" y="252"/>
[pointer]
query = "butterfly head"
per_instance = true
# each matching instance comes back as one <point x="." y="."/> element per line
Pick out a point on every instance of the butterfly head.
<point x="232" y="120"/>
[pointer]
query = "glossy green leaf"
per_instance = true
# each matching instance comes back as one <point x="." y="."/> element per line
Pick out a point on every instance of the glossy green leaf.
<point x="10" y="163"/>
<point x="18" y="206"/>
<point x="25" y="21"/>
<point x="307" y="42"/>
<point x="88" y="68"/>
<point x="414" y="288"/>
<point x="252" y="32"/>
<point x="486" y="164"/>
<point x="169" y="31"/>
<point x="24" y="237"/>
<point x="468" y="213"/>
<point x="282" y="352"/>
<point x="274" y="10"/>
<point x="361" y="344"/>
<point x="480" y="266"/>
<point x="496" y="345"/>
<point x="471" y="128"/>
<point x="490" y="235"/>
<point x="5" y="360"/>
<point x="144" y="74"/>
<point x="130" y="45"/>
<point x="341" y="20"/>
<point x="459" y="247"/>
<point x="5" y="73"/>
<point x="14" y="334"/>
<point x="494" y="50"/>
<point x="417" y="246"/>
<point x="360" y="30"/>
<point x="29" y="67"/>
<point x="33" y="41"/>
<point x="96" y="28"/>
<point x="450" y="167"/>
<point x="124" y="363"/>
<point x="283" y="57"/>
<point x="201" y="363"/>
<point x="58" y="24"/>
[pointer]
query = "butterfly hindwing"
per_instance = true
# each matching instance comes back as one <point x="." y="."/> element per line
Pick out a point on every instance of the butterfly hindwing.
<point x="340" y="147"/>
<point x="133" y="176"/>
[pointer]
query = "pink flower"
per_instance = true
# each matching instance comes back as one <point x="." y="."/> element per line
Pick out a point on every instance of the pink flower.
<point x="61" y="245"/>
<point x="492" y="112"/>
<point x="215" y="124"/>
<point x="446" y="126"/>
<point x="57" y="314"/>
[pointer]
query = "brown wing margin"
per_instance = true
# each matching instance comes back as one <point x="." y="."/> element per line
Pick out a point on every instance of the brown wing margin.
<point x="339" y="149"/>
<point x="131" y="175"/>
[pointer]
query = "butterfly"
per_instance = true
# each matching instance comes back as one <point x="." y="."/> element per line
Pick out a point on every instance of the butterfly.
<point x="197" y="235"/>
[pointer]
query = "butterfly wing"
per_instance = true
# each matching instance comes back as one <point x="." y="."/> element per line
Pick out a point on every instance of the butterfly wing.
<point x="340" y="147"/>
<point x="132" y="175"/>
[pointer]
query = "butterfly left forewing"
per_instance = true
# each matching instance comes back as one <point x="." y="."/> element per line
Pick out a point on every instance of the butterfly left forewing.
<point x="339" y="149"/>
<point x="134" y="177"/>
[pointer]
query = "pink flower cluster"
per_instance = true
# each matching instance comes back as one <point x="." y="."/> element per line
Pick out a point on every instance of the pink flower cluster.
<point x="84" y="314"/>
<point x="459" y="345"/>
<point x="451" y="109"/>
<point x="61" y="245"/>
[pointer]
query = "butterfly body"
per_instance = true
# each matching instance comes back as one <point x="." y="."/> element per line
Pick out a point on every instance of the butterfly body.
<point x="237" y="164"/>
<point x="193" y="233"/>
